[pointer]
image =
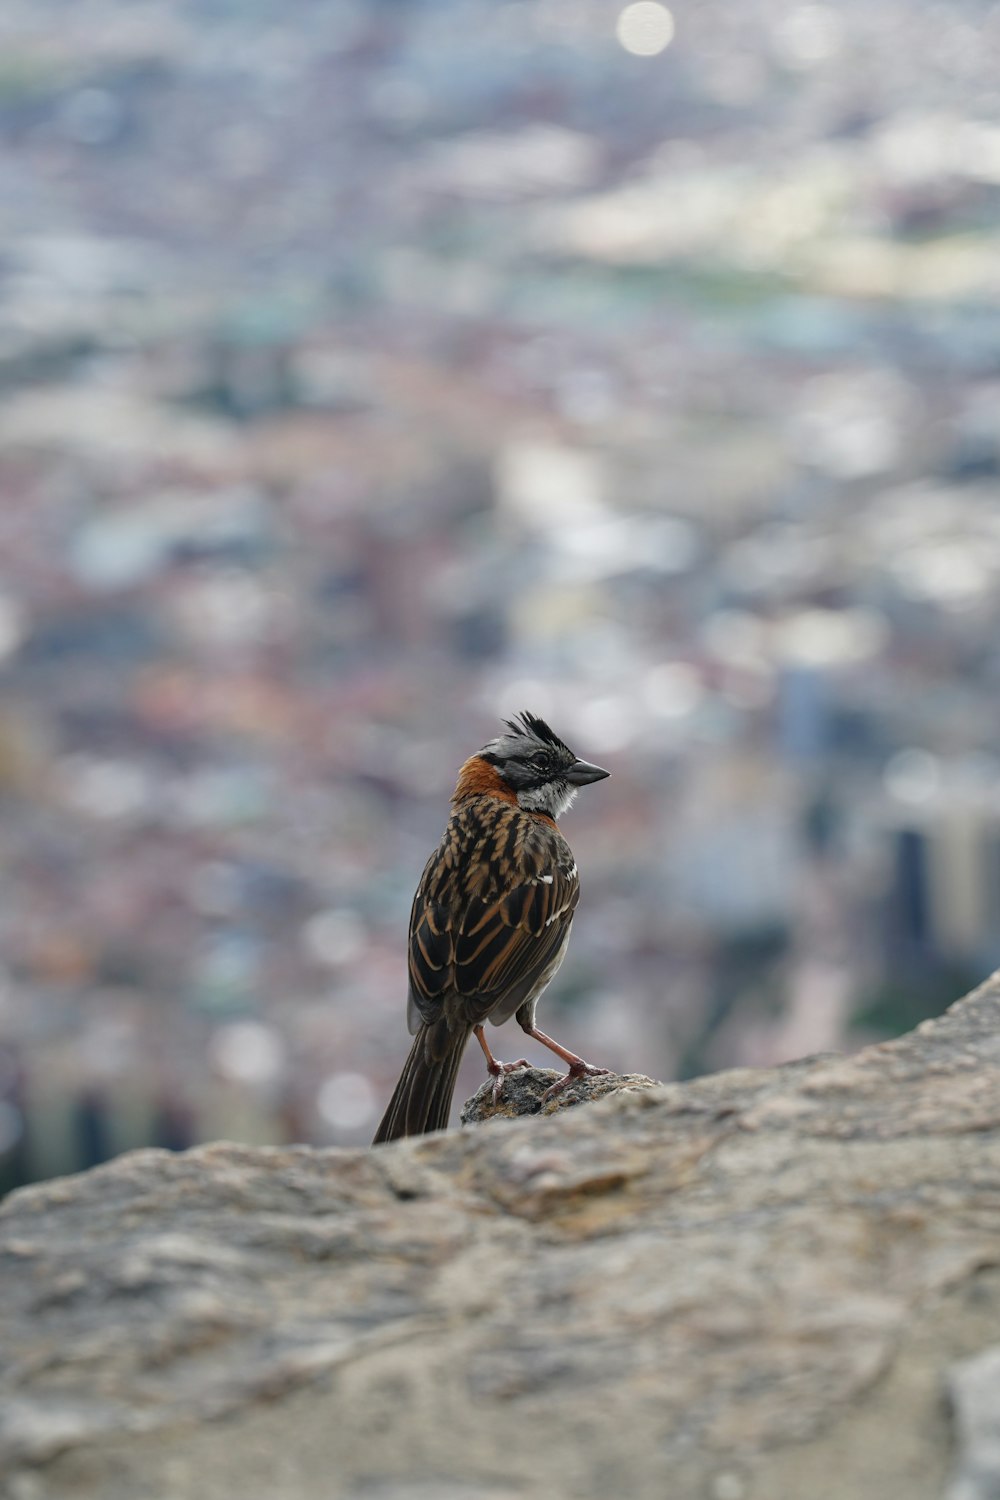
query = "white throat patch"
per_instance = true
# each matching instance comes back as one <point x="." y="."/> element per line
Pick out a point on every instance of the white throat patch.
<point x="554" y="798"/>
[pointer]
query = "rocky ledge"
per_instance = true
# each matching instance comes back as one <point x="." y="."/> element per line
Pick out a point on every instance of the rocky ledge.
<point x="760" y="1284"/>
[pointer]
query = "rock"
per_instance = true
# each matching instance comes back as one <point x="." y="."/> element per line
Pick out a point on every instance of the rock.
<point x="746" y="1287"/>
<point x="974" y="1386"/>
<point x="524" y="1093"/>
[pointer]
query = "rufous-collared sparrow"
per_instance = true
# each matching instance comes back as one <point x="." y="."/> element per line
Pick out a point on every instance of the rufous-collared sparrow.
<point x="491" y="918"/>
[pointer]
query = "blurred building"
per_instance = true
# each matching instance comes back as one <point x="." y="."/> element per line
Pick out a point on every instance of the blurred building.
<point x="370" y="372"/>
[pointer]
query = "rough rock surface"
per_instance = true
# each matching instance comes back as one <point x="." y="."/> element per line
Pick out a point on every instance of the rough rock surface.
<point x="974" y="1386"/>
<point x="754" y="1285"/>
<point x="524" y="1093"/>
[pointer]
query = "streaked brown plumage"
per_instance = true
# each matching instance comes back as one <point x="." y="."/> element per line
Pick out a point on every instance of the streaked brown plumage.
<point x="490" y="919"/>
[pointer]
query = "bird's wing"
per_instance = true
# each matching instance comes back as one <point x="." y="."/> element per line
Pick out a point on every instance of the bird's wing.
<point x="507" y="944"/>
<point x="483" y="931"/>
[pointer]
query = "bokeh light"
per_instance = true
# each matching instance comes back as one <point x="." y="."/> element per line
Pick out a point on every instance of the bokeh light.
<point x="248" y="1052"/>
<point x="347" y="1102"/>
<point x="645" y="28"/>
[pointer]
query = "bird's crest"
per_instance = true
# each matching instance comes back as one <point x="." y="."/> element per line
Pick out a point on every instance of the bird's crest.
<point x="529" y="724"/>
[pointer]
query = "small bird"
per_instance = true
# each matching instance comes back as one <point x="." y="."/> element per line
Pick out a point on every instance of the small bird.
<point x="491" y="919"/>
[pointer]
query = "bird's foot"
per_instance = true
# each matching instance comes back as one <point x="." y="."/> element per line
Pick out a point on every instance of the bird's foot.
<point x="578" y="1069"/>
<point x="498" y="1071"/>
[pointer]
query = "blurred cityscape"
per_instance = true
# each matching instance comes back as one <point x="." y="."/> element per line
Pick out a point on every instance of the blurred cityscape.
<point x="374" y="369"/>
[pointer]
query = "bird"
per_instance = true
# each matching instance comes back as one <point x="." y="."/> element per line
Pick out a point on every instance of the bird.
<point x="491" y="919"/>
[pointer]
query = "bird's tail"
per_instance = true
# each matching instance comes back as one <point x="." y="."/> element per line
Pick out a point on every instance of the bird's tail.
<point x="422" y="1097"/>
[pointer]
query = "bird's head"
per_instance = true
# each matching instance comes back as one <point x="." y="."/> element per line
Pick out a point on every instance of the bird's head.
<point x="534" y="763"/>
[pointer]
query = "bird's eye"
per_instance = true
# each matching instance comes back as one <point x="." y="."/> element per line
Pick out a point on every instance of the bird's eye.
<point x="539" y="761"/>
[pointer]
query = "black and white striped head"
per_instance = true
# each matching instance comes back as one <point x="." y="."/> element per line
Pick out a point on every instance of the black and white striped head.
<point x="539" y="768"/>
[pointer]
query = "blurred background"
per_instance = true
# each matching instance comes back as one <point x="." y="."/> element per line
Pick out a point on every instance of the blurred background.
<point x="372" y="369"/>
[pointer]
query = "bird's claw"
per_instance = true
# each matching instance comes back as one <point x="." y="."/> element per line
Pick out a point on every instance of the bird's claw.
<point x="577" y="1070"/>
<point x="498" y="1072"/>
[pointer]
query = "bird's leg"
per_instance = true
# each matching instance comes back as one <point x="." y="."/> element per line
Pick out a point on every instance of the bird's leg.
<point x="496" y="1070"/>
<point x="577" y="1067"/>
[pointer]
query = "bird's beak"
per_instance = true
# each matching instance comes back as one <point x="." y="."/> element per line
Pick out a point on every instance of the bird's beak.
<point x="581" y="772"/>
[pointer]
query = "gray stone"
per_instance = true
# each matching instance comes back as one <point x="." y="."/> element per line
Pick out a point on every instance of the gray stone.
<point x="524" y="1093"/>
<point x="752" y="1285"/>
<point x="974" y="1387"/>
